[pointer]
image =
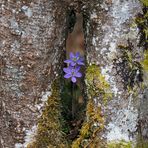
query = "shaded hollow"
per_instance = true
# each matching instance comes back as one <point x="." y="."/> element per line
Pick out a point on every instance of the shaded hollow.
<point x="73" y="94"/>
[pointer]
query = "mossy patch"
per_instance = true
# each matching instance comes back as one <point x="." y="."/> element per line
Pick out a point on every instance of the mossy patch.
<point x="49" y="131"/>
<point x="144" y="64"/>
<point x="145" y="61"/>
<point x="119" y="144"/>
<point x="93" y="126"/>
<point x="145" y="2"/>
<point x="96" y="83"/>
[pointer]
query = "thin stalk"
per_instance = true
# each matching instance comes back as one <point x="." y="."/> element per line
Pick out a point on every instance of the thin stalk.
<point x="73" y="101"/>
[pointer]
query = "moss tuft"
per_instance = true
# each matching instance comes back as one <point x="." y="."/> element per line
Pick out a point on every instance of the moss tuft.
<point x="120" y="144"/>
<point x="49" y="125"/>
<point x="145" y="2"/>
<point x="89" y="132"/>
<point x="145" y="61"/>
<point x="93" y="125"/>
<point x="96" y="83"/>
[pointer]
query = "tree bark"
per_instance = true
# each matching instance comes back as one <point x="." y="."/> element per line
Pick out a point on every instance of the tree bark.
<point x="32" y="40"/>
<point x="33" y="36"/>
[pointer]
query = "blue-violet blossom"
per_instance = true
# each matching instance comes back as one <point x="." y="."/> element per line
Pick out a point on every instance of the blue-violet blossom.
<point x="75" y="59"/>
<point x="72" y="72"/>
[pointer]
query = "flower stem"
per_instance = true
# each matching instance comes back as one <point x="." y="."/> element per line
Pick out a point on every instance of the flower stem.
<point x="73" y="101"/>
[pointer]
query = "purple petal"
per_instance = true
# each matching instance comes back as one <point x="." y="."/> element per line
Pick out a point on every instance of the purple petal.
<point x="67" y="61"/>
<point x="71" y="55"/>
<point x="81" y="59"/>
<point x="67" y="70"/>
<point x="72" y="63"/>
<point x="77" y="54"/>
<point x="70" y="67"/>
<point x="77" y="69"/>
<point x="73" y="79"/>
<point x="80" y="63"/>
<point x="67" y="76"/>
<point x="78" y="74"/>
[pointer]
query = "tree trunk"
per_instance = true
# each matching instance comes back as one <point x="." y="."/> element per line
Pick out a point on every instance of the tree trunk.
<point x="33" y="36"/>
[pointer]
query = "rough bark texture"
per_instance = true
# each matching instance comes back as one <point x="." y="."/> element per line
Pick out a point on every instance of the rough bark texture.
<point x="112" y="26"/>
<point x="31" y="35"/>
<point x="32" y="42"/>
<point x="114" y="29"/>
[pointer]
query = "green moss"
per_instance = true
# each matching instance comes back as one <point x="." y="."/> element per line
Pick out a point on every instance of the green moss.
<point x="144" y="64"/>
<point x="90" y="132"/>
<point x="120" y="144"/>
<point x="96" y="83"/>
<point x="145" y="61"/>
<point x="145" y="2"/>
<point x="93" y="75"/>
<point x="49" y="125"/>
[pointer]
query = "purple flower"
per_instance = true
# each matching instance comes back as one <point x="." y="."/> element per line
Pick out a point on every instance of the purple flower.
<point x="72" y="72"/>
<point x="75" y="59"/>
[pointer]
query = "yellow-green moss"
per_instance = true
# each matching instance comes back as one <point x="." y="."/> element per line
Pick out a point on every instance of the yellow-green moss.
<point x="90" y="132"/>
<point x="96" y="83"/>
<point x="145" y="2"/>
<point x="120" y="144"/>
<point x="95" y="79"/>
<point x="145" y="61"/>
<point x="49" y="133"/>
<point x="144" y="64"/>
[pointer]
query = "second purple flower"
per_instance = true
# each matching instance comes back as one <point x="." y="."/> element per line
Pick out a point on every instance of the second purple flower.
<point x="75" y="59"/>
<point x="72" y="72"/>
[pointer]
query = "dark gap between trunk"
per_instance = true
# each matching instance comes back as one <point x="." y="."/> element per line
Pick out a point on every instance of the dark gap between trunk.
<point x="73" y="96"/>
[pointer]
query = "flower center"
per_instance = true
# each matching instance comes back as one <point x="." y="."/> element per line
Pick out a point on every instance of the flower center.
<point x="75" y="59"/>
<point x="72" y="72"/>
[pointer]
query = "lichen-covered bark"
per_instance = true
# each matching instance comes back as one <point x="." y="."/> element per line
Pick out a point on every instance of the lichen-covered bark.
<point x="112" y="26"/>
<point x="32" y="35"/>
